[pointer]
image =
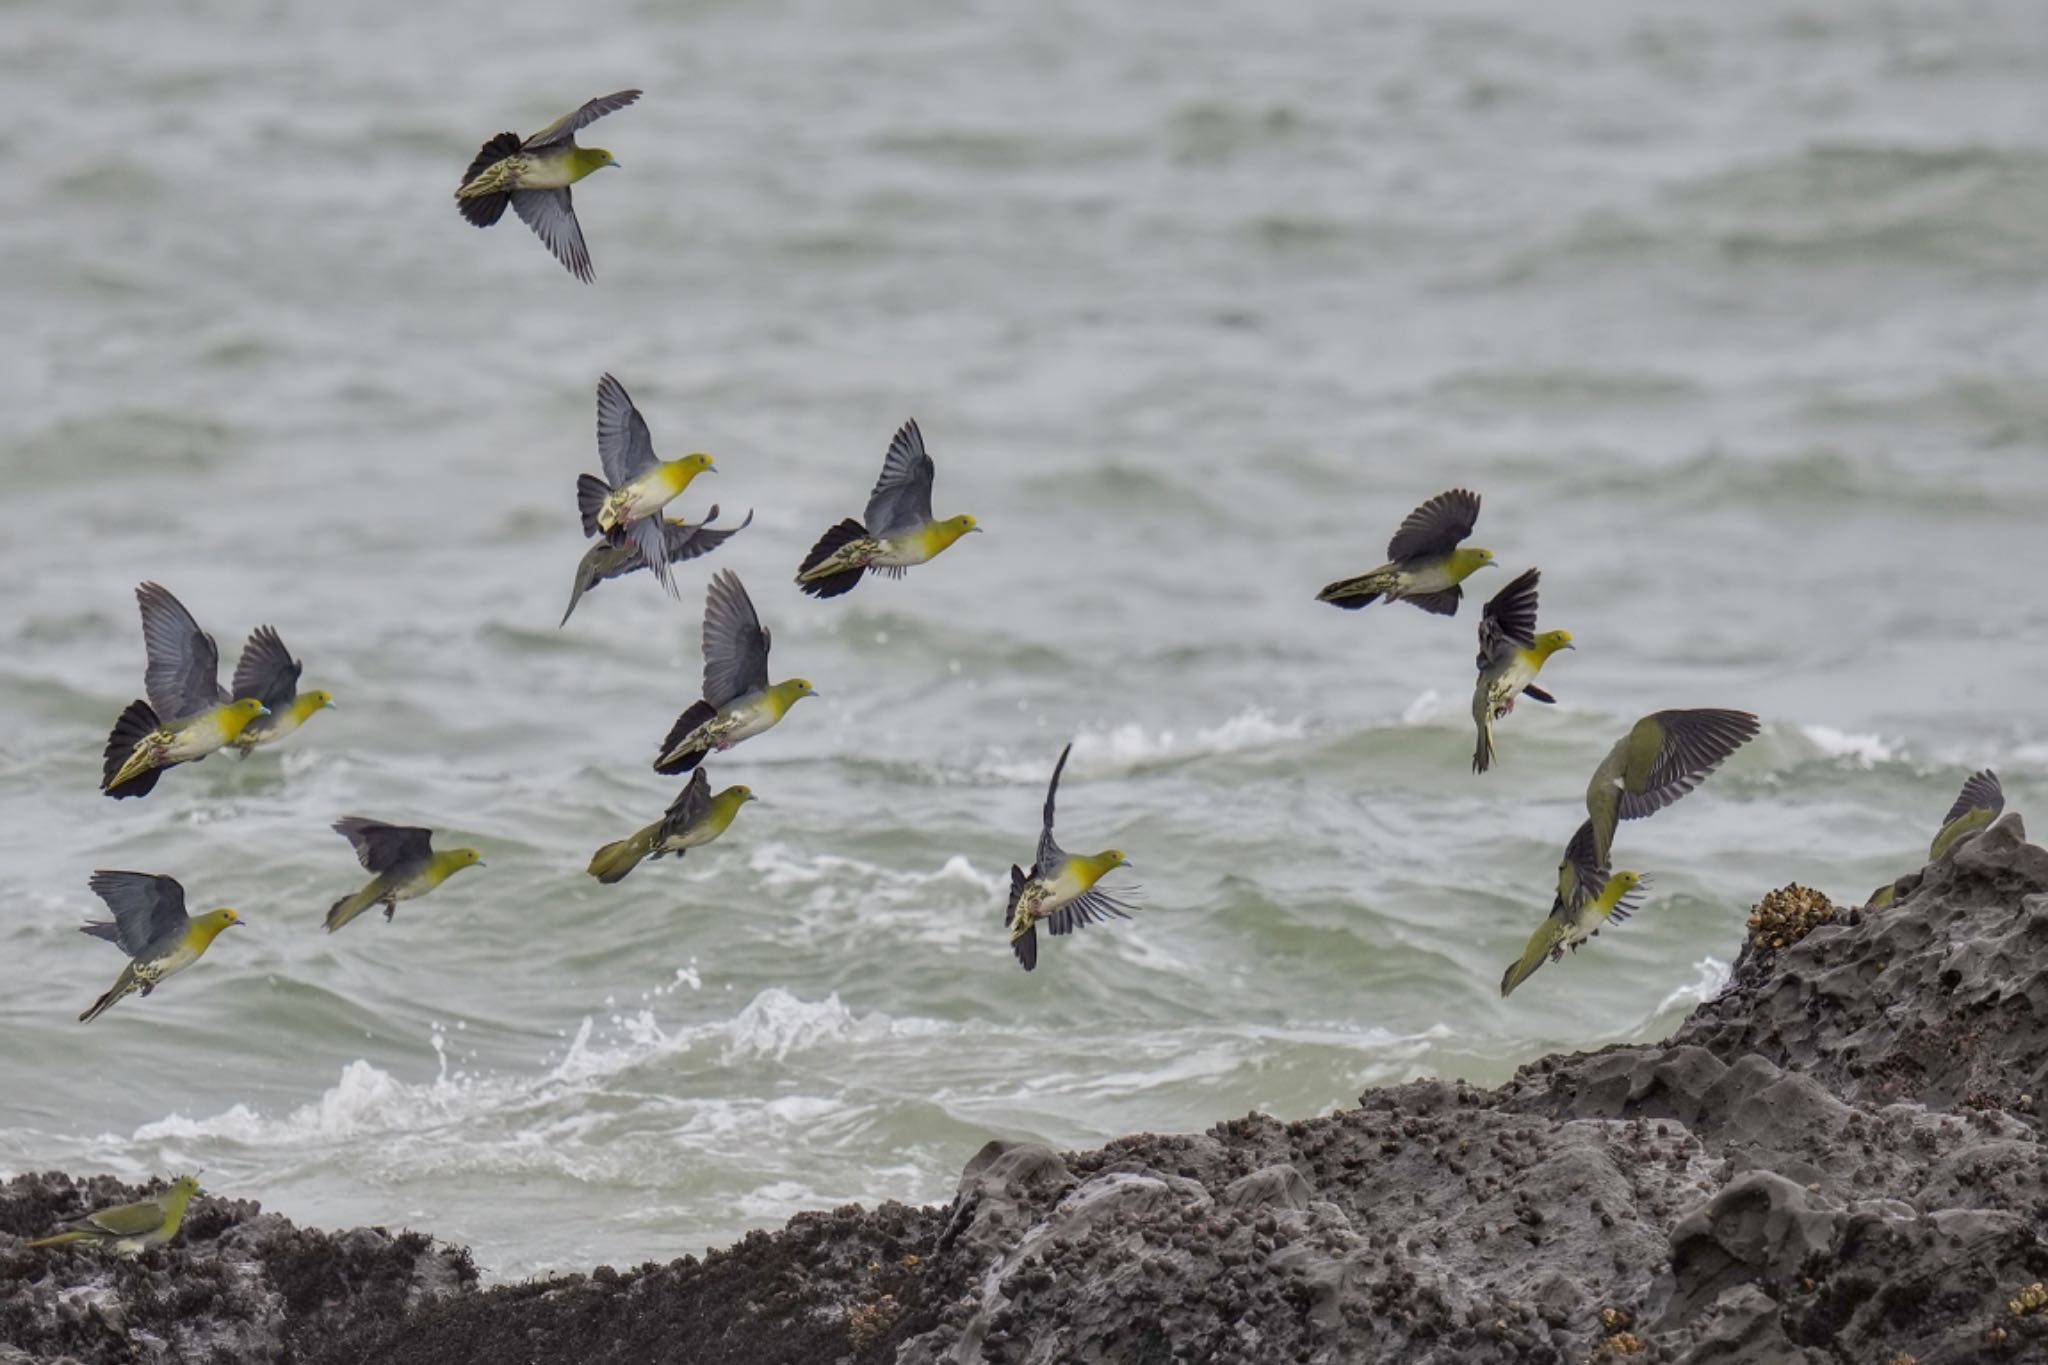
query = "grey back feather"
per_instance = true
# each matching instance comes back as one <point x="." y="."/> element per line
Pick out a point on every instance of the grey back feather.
<point x="1508" y="620"/>
<point x="1435" y="528"/>
<point x="692" y="803"/>
<point x="902" y="496"/>
<point x="562" y="132"/>
<point x="625" y="448"/>
<point x="182" y="677"/>
<point x="402" y="849"/>
<point x="1695" y="743"/>
<point x="267" y="671"/>
<point x="149" y="911"/>
<point x="1050" y="854"/>
<point x="552" y="216"/>
<point x="1980" y="792"/>
<point x="735" y="642"/>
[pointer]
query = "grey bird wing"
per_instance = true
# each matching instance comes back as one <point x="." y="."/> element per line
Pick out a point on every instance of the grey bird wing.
<point x="1436" y="527"/>
<point x="267" y="671"/>
<point x="1090" y="907"/>
<point x="902" y="496"/>
<point x="1580" y="877"/>
<point x="1980" y="792"/>
<point x="552" y="216"/>
<point x="691" y="804"/>
<point x="1050" y="855"/>
<point x="1695" y="743"/>
<point x="735" y="642"/>
<point x="1508" y="620"/>
<point x="183" y="674"/>
<point x="148" y="910"/>
<point x="625" y="447"/>
<point x="563" y="130"/>
<point x="650" y="538"/>
<point x="689" y="542"/>
<point x="386" y="848"/>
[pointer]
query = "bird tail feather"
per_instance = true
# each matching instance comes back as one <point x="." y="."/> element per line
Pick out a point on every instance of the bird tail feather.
<point x="1482" y="756"/>
<point x="486" y="207"/>
<point x="611" y="863"/>
<point x="1532" y="958"/>
<point x="1016" y="890"/>
<point x="829" y="544"/>
<point x="591" y="492"/>
<point x="59" y="1239"/>
<point x="1353" y="593"/>
<point x="136" y="724"/>
<point x="1025" y="946"/>
<point x="671" y="762"/>
<point x="348" y="907"/>
<point x="123" y="984"/>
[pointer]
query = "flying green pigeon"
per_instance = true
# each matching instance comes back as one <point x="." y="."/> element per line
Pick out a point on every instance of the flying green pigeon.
<point x="534" y="177"/>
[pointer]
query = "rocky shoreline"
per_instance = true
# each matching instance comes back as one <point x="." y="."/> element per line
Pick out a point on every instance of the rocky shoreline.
<point x="1840" y="1159"/>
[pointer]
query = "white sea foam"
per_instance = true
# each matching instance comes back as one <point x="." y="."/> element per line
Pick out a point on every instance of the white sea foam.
<point x="1865" y="751"/>
<point x="1711" y="980"/>
<point x="367" y="1101"/>
<point x="1130" y="745"/>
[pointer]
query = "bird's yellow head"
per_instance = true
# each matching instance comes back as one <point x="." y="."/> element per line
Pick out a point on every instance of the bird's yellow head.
<point x="1469" y="559"/>
<point x="944" y="533"/>
<point x="459" y="858"/>
<point x="184" y="1187"/>
<point x="1620" y="884"/>
<point x="321" y="698"/>
<point x="236" y="715"/>
<point x="732" y="798"/>
<point x="209" y="925"/>
<point x="1551" y="641"/>
<point x="590" y="159"/>
<point x="1101" y="864"/>
<point x="789" y="692"/>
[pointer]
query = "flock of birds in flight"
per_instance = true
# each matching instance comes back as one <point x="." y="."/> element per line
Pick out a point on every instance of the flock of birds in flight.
<point x="188" y="715"/>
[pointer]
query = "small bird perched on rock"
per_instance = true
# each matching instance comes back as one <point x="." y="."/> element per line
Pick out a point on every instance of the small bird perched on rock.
<point x="900" y="530"/>
<point x="693" y="819"/>
<point x="1511" y="654"/>
<point x="187" y="716"/>
<point x="1586" y="899"/>
<point x="1061" y="886"/>
<point x="1980" y="802"/>
<point x="1662" y="757"/>
<point x="404" y="861"/>
<point x="1424" y="563"/>
<point x="625" y="505"/>
<point x="738" y="701"/>
<point x="151" y="926"/>
<point x="534" y="177"/>
<point x="129" y="1229"/>
<point x="270" y="674"/>
<point x="611" y="558"/>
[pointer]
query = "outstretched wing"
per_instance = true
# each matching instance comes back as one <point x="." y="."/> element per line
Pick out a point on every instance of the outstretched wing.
<point x="1580" y="877"/>
<point x="1049" y="853"/>
<point x="1980" y="792"/>
<point x="735" y="644"/>
<point x="267" y="671"/>
<point x="385" y="848"/>
<point x="1436" y="527"/>
<point x="183" y="674"/>
<point x="1090" y="907"/>
<point x="692" y="803"/>
<point x="148" y="909"/>
<point x="1508" y="621"/>
<point x="625" y="448"/>
<point x="552" y="216"/>
<point x="1694" y="744"/>
<point x="564" y="129"/>
<point x="902" y="496"/>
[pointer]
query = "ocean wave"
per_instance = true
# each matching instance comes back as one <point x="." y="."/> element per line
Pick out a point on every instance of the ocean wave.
<point x="1861" y="750"/>
<point x="1131" y="747"/>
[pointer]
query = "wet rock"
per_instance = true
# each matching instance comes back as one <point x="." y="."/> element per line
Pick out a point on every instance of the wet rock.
<point x="1840" y="1159"/>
